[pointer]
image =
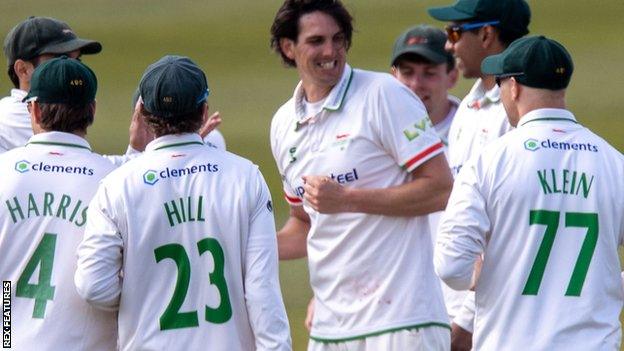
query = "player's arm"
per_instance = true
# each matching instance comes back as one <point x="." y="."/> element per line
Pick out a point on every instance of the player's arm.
<point x="427" y="192"/>
<point x="291" y="239"/>
<point x="265" y="307"/>
<point x="97" y="275"/>
<point x="462" y="234"/>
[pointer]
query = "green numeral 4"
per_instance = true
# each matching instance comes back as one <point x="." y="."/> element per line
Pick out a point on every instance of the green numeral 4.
<point x="551" y="220"/>
<point x="43" y="257"/>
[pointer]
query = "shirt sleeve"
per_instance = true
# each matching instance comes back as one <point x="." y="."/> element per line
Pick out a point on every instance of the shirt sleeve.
<point x="263" y="297"/>
<point x="119" y="160"/>
<point x="98" y="278"/>
<point x="466" y="313"/>
<point x="463" y="228"/>
<point x="404" y="127"/>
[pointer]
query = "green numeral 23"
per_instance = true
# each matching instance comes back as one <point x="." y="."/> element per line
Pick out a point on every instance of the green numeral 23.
<point x="172" y="318"/>
<point x="551" y="220"/>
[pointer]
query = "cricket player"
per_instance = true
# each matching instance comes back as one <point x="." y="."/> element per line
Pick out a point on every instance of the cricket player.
<point x="361" y="166"/>
<point x="544" y="204"/>
<point x="29" y="44"/>
<point x="45" y="191"/>
<point x="478" y="28"/>
<point x="420" y="61"/>
<point x="190" y="228"/>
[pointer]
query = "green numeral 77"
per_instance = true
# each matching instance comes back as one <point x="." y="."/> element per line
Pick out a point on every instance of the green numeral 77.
<point x="551" y="220"/>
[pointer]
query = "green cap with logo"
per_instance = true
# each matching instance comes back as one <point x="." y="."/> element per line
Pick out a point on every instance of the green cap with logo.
<point x="43" y="35"/>
<point x="425" y="41"/>
<point x="513" y="15"/>
<point x="536" y="62"/>
<point x="63" y="80"/>
<point x="173" y="86"/>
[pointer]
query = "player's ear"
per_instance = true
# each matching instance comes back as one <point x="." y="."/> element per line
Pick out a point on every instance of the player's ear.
<point x="287" y="46"/>
<point x="23" y="70"/>
<point x="394" y="71"/>
<point x="515" y="89"/>
<point x="489" y="35"/>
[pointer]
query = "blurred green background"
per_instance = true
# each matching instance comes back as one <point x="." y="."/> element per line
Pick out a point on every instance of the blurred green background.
<point x="229" y="40"/>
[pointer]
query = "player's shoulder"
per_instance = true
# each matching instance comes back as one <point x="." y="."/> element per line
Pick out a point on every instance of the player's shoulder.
<point x="374" y="81"/>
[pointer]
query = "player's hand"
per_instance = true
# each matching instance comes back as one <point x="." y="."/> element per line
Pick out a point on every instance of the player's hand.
<point x="140" y="134"/>
<point x="461" y="339"/>
<point x="309" y="315"/>
<point x="211" y="124"/>
<point x="325" y="195"/>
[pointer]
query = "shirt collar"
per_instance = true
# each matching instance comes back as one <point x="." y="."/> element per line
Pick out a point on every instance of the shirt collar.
<point x="334" y="100"/>
<point x="480" y="98"/>
<point x="18" y="94"/>
<point x="174" y="140"/>
<point x="59" y="139"/>
<point x="547" y="114"/>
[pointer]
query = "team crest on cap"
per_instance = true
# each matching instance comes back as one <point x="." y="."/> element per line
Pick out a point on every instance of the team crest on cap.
<point x="67" y="31"/>
<point x="560" y="70"/>
<point x="415" y="40"/>
<point x="168" y="99"/>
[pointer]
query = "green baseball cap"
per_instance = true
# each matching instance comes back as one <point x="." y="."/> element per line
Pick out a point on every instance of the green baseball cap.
<point x="513" y="15"/>
<point x="63" y="80"/>
<point x="43" y="35"/>
<point x="536" y="62"/>
<point x="173" y="86"/>
<point x="423" y="40"/>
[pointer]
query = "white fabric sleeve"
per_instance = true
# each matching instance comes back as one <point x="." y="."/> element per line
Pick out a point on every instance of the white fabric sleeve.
<point x="119" y="160"/>
<point x="97" y="277"/>
<point x="215" y="138"/>
<point x="466" y="314"/>
<point x="263" y="297"/>
<point x="405" y="130"/>
<point x="463" y="229"/>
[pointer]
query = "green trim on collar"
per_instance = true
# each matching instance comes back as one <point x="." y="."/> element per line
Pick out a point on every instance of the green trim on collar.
<point x="58" y="144"/>
<point x="550" y="119"/>
<point x="178" y="144"/>
<point x="336" y="108"/>
<point x="385" y="331"/>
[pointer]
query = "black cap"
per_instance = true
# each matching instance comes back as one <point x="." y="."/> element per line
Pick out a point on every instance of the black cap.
<point x="513" y="15"/>
<point x="43" y="35"/>
<point x="173" y="86"/>
<point x="536" y="62"/>
<point x="63" y="80"/>
<point x="423" y="40"/>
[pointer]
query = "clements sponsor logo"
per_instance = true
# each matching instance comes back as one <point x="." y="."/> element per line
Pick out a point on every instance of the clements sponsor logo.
<point x="151" y="177"/>
<point x="24" y="166"/>
<point x="534" y="145"/>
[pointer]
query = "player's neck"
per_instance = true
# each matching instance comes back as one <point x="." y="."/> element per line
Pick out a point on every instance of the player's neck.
<point x="438" y="115"/>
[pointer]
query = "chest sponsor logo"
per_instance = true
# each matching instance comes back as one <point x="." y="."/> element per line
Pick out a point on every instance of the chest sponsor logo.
<point x="151" y="176"/>
<point x="25" y="166"/>
<point x="535" y="144"/>
<point x="340" y="178"/>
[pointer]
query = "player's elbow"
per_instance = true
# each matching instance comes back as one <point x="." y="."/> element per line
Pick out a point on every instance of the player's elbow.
<point x="453" y="275"/>
<point x="102" y="296"/>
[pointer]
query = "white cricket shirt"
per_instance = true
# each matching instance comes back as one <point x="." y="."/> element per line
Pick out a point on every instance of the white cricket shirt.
<point x="544" y="204"/>
<point x="191" y="230"/>
<point x="15" y="127"/>
<point x="45" y="190"/>
<point x="479" y="119"/>
<point x="370" y="273"/>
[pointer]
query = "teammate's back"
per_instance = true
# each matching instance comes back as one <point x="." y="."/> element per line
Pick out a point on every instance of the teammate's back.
<point x="567" y="187"/>
<point x="182" y="239"/>
<point x="45" y="190"/>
